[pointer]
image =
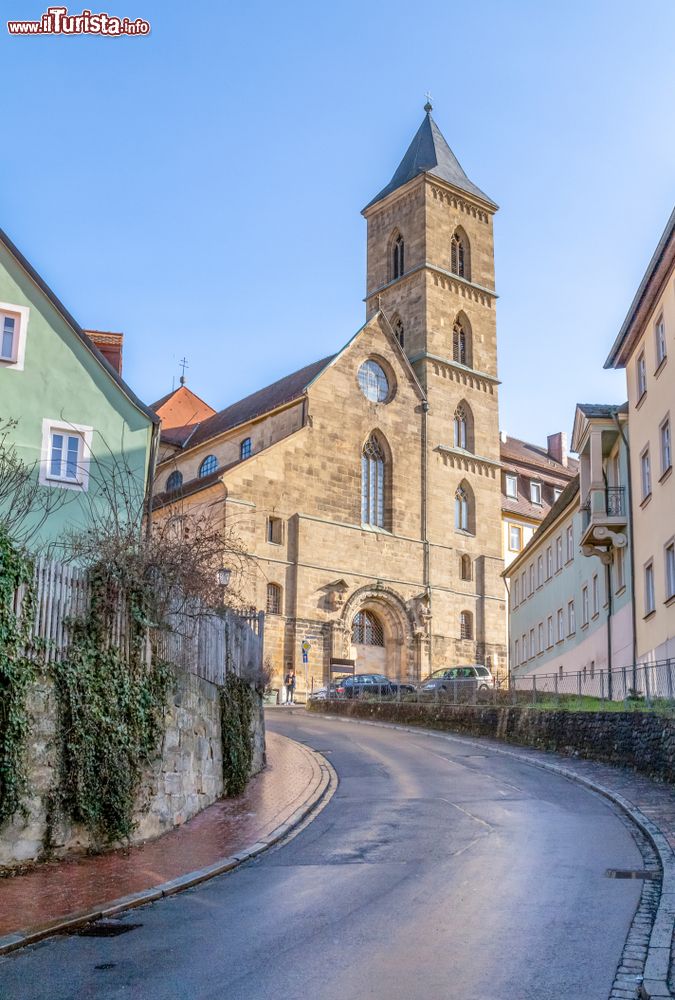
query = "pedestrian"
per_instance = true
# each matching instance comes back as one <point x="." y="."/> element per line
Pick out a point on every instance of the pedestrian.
<point x="290" y="686"/>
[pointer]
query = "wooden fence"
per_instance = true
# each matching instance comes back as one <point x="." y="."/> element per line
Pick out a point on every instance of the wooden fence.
<point x="207" y="643"/>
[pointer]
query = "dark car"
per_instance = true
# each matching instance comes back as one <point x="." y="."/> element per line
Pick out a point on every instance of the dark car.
<point x="371" y="685"/>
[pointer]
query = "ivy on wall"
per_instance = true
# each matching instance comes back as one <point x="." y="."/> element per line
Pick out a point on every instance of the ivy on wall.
<point x="16" y="671"/>
<point x="110" y="706"/>
<point x="236" y="719"/>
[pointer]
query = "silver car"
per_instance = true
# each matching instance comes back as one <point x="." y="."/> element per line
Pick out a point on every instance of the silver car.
<point x="470" y="675"/>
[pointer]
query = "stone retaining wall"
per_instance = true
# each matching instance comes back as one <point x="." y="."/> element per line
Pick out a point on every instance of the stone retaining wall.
<point x="186" y="777"/>
<point x="640" y="740"/>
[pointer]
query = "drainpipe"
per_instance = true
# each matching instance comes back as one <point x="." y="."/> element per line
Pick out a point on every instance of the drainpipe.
<point x="629" y="512"/>
<point x="608" y="583"/>
<point x="425" y="540"/>
<point x="508" y="632"/>
<point x="150" y="485"/>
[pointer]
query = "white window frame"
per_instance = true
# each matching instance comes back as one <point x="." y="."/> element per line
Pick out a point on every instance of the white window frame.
<point x="541" y="637"/>
<point x="512" y="528"/>
<point x="549" y="630"/>
<point x="558" y="553"/>
<point x="549" y="562"/>
<point x="660" y="341"/>
<point x="535" y="491"/>
<point x="669" y="565"/>
<point x="596" y="595"/>
<point x="511" y="480"/>
<point x="620" y="568"/>
<point x="561" y="625"/>
<point x="571" y="618"/>
<point x="645" y="474"/>
<point x="82" y="431"/>
<point x="21" y="313"/>
<point x="540" y="571"/>
<point x="533" y="645"/>
<point x="517" y="652"/>
<point x="666" y="446"/>
<point x="569" y="541"/>
<point x="584" y="606"/>
<point x="641" y="373"/>
<point x="516" y="592"/>
<point x="650" y="591"/>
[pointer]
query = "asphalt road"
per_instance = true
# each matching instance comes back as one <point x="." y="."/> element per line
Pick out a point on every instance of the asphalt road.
<point x="437" y="871"/>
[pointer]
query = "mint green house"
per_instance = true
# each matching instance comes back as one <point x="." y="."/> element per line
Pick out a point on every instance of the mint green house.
<point x="80" y="428"/>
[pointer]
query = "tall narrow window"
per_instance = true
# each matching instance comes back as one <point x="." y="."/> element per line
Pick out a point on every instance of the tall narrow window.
<point x="373" y="470"/>
<point x="641" y="370"/>
<point x="549" y="630"/>
<point x="465" y="567"/>
<point x="275" y="530"/>
<point x="540" y="571"/>
<point x="570" y="542"/>
<point x="645" y="474"/>
<point x="558" y="553"/>
<point x="463" y="509"/>
<point x="666" y="451"/>
<point x="620" y="568"/>
<point x="245" y="448"/>
<point x="515" y="538"/>
<point x="273" y="599"/>
<point x="459" y="352"/>
<point x="571" y="619"/>
<point x="465" y="625"/>
<point x="516" y="652"/>
<point x="561" y="625"/>
<point x="596" y="595"/>
<point x="461" y="427"/>
<point x="660" y="337"/>
<point x="650" y="597"/>
<point x="540" y="637"/>
<point x="459" y="255"/>
<point x="670" y="570"/>
<point x="175" y="481"/>
<point x="398" y="257"/>
<point x="549" y="562"/>
<point x="584" y="605"/>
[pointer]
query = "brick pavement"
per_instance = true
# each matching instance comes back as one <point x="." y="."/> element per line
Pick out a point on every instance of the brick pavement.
<point x="57" y="889"/>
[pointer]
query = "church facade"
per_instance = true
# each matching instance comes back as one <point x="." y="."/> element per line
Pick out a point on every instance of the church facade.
<point x="367" y="486"/>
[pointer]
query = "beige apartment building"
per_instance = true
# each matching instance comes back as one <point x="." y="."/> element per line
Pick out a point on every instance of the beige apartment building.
<point x="366" y="487"/>
<point x="645" y="347"/>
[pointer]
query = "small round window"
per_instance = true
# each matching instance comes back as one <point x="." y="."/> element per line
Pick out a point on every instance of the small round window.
<point x="373" y="381"/>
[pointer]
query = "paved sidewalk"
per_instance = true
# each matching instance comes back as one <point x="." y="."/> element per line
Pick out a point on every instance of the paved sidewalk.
<point x="55" y="890"/>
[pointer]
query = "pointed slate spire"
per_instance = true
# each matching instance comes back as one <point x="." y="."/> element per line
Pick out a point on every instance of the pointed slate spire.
<point x="429" y="153"/>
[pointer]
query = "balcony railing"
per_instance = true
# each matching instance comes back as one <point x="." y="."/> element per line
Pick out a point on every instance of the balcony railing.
<point x="615" y="506"/>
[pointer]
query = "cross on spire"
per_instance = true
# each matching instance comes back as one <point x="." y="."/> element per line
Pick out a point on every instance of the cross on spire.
<point x="428" y="106"/>
<point x="183" y="364"/>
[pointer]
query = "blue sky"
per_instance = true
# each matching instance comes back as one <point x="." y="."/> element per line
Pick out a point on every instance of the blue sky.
<point x="200" y="189"/>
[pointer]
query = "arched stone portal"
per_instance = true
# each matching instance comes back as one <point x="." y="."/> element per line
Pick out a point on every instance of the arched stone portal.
<point x="377" y="633"/>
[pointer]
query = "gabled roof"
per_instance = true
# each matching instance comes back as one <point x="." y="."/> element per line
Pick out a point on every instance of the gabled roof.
<point x="181" y="411"/>
<point x="429" y="153"/>
<point x="602" y="410"/>
<point x="284" y="391"/>
<point x="515" y="451"/>
<point x="76" y="328"/>
<point x="648" y="291"/>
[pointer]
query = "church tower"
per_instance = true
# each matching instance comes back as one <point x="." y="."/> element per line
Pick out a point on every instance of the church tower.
<point x="431" y="273"/>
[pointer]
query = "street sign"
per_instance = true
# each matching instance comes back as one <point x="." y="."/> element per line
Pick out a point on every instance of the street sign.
<point x="305" y="657"/>
<point x="306" y="646"/>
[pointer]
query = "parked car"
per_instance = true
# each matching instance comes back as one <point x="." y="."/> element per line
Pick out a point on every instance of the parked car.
<point x="463" y="678"/>
<point x="326" y="692"/>
<point x="376" y="685"/>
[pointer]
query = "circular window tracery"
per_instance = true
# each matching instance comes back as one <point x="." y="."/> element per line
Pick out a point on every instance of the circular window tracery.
<point x="373" y="382"/>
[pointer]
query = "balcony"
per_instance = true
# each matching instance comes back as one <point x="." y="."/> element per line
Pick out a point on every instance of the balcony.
<point x="604" y="517"/>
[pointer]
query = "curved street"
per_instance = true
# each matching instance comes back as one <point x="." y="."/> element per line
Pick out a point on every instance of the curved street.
<point x="437" y="870"/>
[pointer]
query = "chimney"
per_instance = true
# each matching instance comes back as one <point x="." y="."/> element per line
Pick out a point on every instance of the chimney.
<point x="557" y="447"/>
<point x="110" y="346"/>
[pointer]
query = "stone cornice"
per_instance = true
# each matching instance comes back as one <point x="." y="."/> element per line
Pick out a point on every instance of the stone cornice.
<point x="445" y="279"/>
<point x="448" y="368"/>
<point x="454" y="200"/>
<point x="457" y="458"/>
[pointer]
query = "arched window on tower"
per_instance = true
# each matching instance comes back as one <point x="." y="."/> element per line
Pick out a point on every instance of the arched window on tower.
<point x="465" y="625"/>
<point x="459" y="343"/>
<point x="373" y="476"/>
<point x="397" y="257"/>
<point x="459" y="254"/>
<point x="464" y="509"/>
<point x="465" y="567"/>
<point x="463" y="427"/>
<point x="367" y="629"/>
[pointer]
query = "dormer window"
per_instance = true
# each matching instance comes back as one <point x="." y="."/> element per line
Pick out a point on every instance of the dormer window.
<point x="511" y="486"/>
<point x="535" y="492"/>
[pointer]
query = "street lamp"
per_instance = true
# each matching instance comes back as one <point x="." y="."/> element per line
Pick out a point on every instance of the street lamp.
<point x="223" y="575"/>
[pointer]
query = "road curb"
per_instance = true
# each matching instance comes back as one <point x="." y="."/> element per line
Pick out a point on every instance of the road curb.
<point x="324" y="784"/>
<point x="657" y="965"/>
